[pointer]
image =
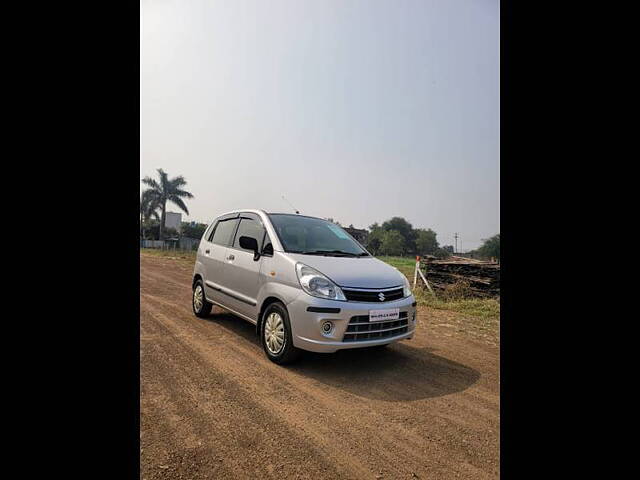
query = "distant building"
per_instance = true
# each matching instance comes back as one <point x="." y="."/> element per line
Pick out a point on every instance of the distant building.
<point x="173" y="220"/>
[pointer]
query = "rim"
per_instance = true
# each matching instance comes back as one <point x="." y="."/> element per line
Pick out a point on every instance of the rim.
<point x="198" y="298"/>
<point x="274" y="333"/>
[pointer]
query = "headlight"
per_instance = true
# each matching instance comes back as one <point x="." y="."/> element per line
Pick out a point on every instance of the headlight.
<point x="406" y="291"/>
<point x="316" y="284"/>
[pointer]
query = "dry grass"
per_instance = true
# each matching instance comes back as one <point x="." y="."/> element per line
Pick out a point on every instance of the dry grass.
<point x="189" y="255"/>
<point x="456" y="298"/>
<point x="488" y="308"/>
<point x="477" y="317"/>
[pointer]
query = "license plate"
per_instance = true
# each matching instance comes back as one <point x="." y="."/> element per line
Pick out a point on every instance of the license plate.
<point x="384" y="315"/>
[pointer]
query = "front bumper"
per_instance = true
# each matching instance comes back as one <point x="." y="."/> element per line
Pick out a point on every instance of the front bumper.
<point x="307" y="326"/>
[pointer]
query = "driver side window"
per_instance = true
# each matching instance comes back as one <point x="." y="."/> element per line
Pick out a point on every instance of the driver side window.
<point x="248" y="228"/>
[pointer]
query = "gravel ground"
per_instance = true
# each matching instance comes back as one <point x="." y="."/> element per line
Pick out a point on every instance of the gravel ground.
<point x="213" y="406"/>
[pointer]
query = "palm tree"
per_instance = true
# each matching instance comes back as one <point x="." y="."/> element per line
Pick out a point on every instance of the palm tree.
<point x="167" y="190"/>
<point x="148" y="208"/>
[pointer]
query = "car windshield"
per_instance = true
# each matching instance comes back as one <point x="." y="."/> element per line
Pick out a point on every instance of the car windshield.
<point x="314" y="236"/>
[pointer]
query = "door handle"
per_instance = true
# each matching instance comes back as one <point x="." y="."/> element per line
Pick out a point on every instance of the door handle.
<point x="231" y="257"/>
<point x="206" y="251"/>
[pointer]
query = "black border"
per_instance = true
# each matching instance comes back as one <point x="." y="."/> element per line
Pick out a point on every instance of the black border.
<point x="78" y="76"/>
<point x="81" y="158"/>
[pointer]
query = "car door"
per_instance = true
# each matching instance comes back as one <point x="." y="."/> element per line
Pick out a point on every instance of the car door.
<point x="214" y="254"/>
<point x="242" y="271"/>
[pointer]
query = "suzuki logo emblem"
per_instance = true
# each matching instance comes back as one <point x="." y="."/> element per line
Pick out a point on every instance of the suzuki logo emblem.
<point x="381" y="296"/>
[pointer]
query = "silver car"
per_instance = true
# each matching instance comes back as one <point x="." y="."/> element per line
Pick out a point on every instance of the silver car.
<point x="304" y="282"/>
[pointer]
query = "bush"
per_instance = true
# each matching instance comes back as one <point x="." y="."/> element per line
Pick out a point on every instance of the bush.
<point x="459" y="290"/>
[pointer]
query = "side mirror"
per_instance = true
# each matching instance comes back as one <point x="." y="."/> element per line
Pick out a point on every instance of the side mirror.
<point x="250" y="243"/>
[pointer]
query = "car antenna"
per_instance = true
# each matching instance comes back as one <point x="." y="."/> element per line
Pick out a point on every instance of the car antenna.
<point x="291" y="205"/>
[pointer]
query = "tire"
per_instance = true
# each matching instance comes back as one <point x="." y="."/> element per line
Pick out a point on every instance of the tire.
<point x="201" y="308"/>
<point x="275" y="320"/>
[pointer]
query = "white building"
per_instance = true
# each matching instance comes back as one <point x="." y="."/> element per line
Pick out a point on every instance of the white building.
<point x="173" y="220"/>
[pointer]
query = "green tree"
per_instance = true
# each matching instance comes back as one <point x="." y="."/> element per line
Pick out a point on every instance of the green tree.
<point x="148" y="209"/>
<point x="153" y="229"/>
<point x="171" y="233"/>
<point x="193" y="231"/>
<point x="374" y="239"/>
<point x="443" y="252"/>
<point x="167" y="190"/>
<point x="490" y="247"/>
<point x="426" y="243"/>
<point x="405" y="229"/>
<point x="392" y="243"/>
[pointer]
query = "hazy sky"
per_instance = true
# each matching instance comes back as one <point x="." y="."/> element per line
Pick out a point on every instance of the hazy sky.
<point x="355" y="110"/>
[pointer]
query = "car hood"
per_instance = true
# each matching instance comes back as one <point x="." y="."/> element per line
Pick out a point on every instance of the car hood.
<point x="356" y="272"/>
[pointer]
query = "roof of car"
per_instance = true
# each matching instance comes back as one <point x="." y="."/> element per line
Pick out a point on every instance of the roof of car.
<point x="240" y="210"/>
<point x="257" y="210"/>
<point x="292" y="214"/>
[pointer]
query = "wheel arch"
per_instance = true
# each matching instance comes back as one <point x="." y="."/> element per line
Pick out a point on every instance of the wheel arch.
<point x="265" y="303"/>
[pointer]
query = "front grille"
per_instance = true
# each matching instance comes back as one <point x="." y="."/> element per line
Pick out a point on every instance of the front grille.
<point x="373" y="296"/>
<point x="360" y="328"/>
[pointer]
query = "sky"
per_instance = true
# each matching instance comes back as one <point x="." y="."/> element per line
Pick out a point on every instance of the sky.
<point x="354" y="110"/>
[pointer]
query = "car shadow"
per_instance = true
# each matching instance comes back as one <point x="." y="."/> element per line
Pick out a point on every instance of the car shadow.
<point x="397" y="373"/>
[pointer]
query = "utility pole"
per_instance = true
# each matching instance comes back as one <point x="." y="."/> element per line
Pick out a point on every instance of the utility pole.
<point x="455" y="235"/>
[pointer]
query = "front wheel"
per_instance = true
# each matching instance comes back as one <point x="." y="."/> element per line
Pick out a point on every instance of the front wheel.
<point x="275" y="335"/>
<point x="201" y="307"/>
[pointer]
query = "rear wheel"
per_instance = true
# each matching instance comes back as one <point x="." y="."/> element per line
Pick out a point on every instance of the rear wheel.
<point x="275" y="335"/>
<point x="201" y="307"/>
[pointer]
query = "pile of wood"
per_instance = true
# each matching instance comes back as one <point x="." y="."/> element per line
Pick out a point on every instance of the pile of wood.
<point x="482" y="278"/>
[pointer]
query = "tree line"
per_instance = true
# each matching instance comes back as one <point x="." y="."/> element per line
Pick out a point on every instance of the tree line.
<point x="394" y="237"/>
<point x="398" y="237"/>
<point x="490" y="248"/>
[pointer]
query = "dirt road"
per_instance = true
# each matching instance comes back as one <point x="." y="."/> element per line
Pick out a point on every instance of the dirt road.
<point x="213" y="406"/>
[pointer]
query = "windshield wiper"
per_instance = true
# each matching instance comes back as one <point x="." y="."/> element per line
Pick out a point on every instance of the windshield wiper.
<point x="337" y="253"/>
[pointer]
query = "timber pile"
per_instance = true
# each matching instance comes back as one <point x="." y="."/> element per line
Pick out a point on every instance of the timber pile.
<point x="483" y="277"/>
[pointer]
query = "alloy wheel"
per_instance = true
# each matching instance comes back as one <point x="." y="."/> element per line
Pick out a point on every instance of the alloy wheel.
<point x="198" y="298"/>
<point x="274" y="333"/>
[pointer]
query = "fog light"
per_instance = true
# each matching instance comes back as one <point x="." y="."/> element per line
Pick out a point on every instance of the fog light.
<point x="327" y="327"/>
<point x="413" y="319"/>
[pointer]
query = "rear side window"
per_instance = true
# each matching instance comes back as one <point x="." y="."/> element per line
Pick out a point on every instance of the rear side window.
<point x="223" y="232"/>
<point x="249" y="228"/>
<point x="207" y="235"/>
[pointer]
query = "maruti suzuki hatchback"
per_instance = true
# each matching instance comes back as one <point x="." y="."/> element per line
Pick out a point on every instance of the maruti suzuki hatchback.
<point x="304" y="282"/>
